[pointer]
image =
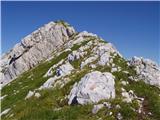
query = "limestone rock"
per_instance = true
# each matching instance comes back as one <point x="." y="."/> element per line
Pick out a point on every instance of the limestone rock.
<point x="50" y="71"/>
<point x="128" y="96"/>
<point x="64" y="69"/>
<point x="114" y="69"/>
<point x="2" y="97"/>
<point x="37" y="95"/>
<point x="119" y="116"/>
<point x="33" y="49"/>
<point x="104" y="58"/>
<point x="147" y="70"/>
<point x="124" y="83"/>
<point x="30" y="94"/>
<point x="5" y="111"/>
<point x="75" y="55"/>
<point x="96" y="108"/>
<point x="106" y="52"/>
<point x="89" y="60"/>
<point x="92" y="88"/>
<point x="49" y="83"/>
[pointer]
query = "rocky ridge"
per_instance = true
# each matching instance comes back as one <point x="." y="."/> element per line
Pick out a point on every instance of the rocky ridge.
<point x="79" y="69"/>
<point x="147" y="70"/>
<point x="33" y="49"/>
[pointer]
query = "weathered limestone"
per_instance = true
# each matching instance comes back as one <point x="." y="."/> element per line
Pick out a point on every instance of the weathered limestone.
<point x="147" y="70"/>
<point x="33" y="49"/>
<point x="92" y="88"/>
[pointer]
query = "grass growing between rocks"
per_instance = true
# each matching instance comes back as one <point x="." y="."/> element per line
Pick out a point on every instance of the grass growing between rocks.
<point x="151" y="96"/>
<point x="27" y="81"/>
<point x="18" y="89"/>
<point x="127" y="110"/>
<point x="122" y="63"/>
<point x="53" y="103"/>
<point x="76" y="63"/>
<point x="44" y="108"/>
<point x="65" y="24"/>
<point x="77" y="46"/>
<point x="149" y="93"/>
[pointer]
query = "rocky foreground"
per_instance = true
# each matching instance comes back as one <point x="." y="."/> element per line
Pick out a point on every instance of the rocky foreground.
<point x="58" y="73"/>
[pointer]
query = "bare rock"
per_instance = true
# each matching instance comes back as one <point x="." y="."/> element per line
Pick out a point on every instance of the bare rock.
<point x="147" y="70"/>
<point x="5" y="111"/>
<point x="63" y="70"/>
<point x="96" y="108"/>
<point x="30" y="94"/>
<point x="33" y="49"/>
<point x="92" y="88"/>
<point x="37" y="95"/>
<point x="89" y="60"/>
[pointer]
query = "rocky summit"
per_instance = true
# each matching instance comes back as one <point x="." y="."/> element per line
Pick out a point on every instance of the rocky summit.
<point x="56" y="73"/>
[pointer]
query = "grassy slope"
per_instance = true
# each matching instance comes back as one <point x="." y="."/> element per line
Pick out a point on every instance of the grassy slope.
<point x="28" y="81"/>
<point x="24" y="83"/>
<point x="44" y="107"/>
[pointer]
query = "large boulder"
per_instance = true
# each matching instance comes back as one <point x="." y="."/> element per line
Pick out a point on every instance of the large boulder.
<point x="92" y="88"/>
<point x="147" y="70"/>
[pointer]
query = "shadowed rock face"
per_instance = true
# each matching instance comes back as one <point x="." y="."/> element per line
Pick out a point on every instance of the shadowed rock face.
<point x="33" y="49"/>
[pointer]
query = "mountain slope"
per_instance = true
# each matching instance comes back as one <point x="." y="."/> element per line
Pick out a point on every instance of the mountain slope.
<point x="34" y="48"/>
<point x="83" y="78"/>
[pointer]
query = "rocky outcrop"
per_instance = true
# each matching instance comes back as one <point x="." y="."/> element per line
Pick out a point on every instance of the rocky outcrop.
<point x="33" y="49"/>
<point x="5" y="111"/>
<point x="89" y="60"/>
<point x="92" y="88"/>
<point x="50" y="71"/>
<point x="63" y="70"/>
<point x="106" y="52"/>
<point x="79" y="68"/>
<point x="147" y="70"/>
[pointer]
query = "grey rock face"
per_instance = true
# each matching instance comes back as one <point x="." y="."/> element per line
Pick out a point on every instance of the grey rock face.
<point x="33" y="49"/>
<point x="89" y="60"/>
<point x="92" y="88"/>
<point x="104" y="51"/>
<point x="147" y="70"/>
<point x="63" y="70"/>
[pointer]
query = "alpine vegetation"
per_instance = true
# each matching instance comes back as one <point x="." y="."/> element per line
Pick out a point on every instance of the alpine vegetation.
<point x="56" y="73"/>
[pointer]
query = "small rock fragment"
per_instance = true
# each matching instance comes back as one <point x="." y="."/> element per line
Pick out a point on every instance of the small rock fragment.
<point x="96" y="108"/>
<point x="30" y="94"/>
